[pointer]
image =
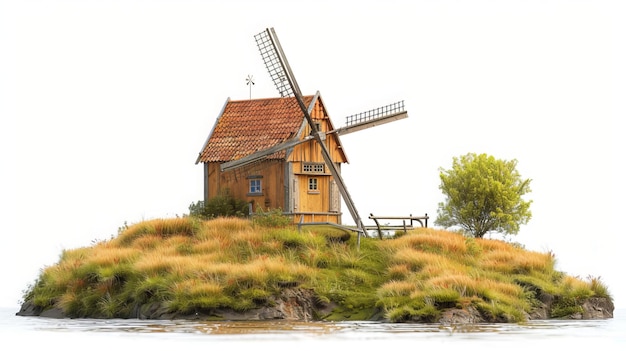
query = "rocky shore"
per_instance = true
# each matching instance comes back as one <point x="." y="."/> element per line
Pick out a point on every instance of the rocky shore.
<point x="302" y="305"/>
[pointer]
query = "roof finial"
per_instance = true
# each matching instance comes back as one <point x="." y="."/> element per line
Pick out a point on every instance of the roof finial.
<point x="250" y="83"/>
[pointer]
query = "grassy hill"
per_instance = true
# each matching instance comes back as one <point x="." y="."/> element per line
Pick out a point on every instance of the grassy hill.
<point x="187" y="266"/>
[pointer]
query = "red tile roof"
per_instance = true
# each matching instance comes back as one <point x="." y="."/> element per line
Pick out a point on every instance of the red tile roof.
<point x="248" y="126"/>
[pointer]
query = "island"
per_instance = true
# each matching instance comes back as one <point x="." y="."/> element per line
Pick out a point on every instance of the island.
<point x="240" y="269"/>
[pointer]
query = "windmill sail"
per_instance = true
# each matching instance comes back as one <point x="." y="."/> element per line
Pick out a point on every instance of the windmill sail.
<point x="284" y="80"/>
<point x="373" y="118"/>
<point x="269" y="54"/>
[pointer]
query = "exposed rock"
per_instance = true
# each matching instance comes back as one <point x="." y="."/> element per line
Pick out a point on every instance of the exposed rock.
<point x="469" y="315"/>
<point x="29" y="309"/>
<point x="593" y="308"/>
<point x="597" y="308"/>
<point x="292" y="304"/>
<point x="543" y="310"/>
<point x="297" y="304"/>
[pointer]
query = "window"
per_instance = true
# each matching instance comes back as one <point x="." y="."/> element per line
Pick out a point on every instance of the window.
<point x="313" y="167"/>
<point x="313" y="184"/>
<point x="255" y="186"/>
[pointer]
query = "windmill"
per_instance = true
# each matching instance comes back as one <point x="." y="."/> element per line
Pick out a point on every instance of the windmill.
<point x="285" y="82"/>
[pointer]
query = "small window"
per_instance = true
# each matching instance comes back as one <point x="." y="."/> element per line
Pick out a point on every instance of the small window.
<point x="255" y="186"/>
<point x="313" y="167"/>
<point x="313" y="184"/>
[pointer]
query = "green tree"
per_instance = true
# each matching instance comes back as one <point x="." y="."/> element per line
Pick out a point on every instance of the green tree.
<point x="483" y="194"/>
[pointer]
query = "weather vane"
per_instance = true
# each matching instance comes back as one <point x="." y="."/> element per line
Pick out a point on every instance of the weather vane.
<point x="250" y="83"/>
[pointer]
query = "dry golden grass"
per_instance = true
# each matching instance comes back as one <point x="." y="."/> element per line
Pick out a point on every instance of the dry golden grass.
<point x="109" y="256"/>
<point x="151" y="263"/>
<point x="505" y="288"/>
<point x="263" y="268"/>
<point x="315" y="258"/>
<point x="443" y="267"/>
<point x="575" y="284"/>
<point x="469" y="287"/>
<point x="429" y="239"/>
<point x="161" y="227"/>
<point x="248" y="236"/>
<point x="67" y="300"/>
<point x="417" y="260"/>
<point x="195" y="287"/>
<point x="344" y="258"/>
<point x="76" y="254"/>
<point x="494" y="245"/>
<point x="257" y="271"/>
<point x="59" y="276"/>
<point x="230" y="236"/>
<point x="216" y="271"/>
<point x="516" y="261"/>
<point x="207" y="246"/>
<point x="186" y="266"/>
<point x="223" y="228"/>
<point x="186" y="226"/>
<point x="461" y="283"/>
<point x="399" y="271"/>
<point x="398" y="288"/>
<point x="273" y="245"/>
<point x="302" y="271"/>
<point x="157" y="262"/>
<point x="147" y="242"/>
<point x="177" y="240"/>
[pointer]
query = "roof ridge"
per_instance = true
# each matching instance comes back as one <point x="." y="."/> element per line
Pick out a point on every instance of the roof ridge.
<point x="271" y="98"/>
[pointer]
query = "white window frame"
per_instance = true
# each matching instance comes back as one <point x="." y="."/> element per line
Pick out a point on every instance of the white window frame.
<point x="255" y="186"/>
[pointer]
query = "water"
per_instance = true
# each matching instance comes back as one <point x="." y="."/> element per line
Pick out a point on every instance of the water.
<point x="122" y="334"/>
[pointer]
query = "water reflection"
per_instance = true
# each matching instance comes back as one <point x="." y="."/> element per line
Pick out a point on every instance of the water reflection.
<point x="302" y="328"/>
<point x="157" y="335"/>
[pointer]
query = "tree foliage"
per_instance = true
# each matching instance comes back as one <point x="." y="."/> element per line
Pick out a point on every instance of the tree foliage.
<point x="483" y="194"/>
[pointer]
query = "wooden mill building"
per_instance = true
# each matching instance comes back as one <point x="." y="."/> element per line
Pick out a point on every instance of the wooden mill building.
<point x="261" y="151"/>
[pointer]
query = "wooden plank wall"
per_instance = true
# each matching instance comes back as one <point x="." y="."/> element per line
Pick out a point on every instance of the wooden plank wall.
<point x="236" y="183"/>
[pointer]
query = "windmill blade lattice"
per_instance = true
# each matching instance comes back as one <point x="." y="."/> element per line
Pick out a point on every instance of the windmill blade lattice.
<point x="270" y="57"/>
<point x="377" y="113"/>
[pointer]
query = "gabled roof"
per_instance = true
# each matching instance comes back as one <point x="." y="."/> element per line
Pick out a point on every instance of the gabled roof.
<point x="248" y="126"/>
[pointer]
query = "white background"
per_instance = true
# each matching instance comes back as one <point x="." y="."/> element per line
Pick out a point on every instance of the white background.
<point x="104" y="106"/>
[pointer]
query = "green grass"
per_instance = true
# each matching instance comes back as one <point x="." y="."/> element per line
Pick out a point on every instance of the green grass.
<point x="189" y="265"/>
